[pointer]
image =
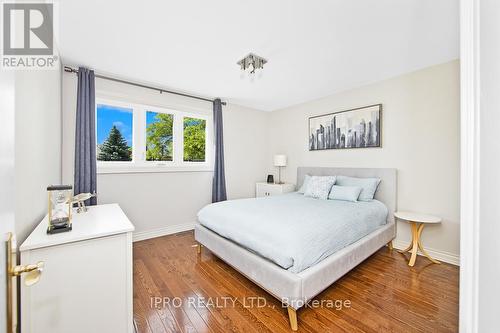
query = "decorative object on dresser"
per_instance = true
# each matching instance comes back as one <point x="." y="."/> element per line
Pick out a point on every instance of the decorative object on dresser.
<point x="80" y="199"/>
<point x="355" y="128"/>
<point x="417" y="222"/>
<point x="270" y="179"/>
<point x="266" y="189"/>
<point x="279" y="161"/>
<point x="87" y="274"/>
<point x="59" y="208"/>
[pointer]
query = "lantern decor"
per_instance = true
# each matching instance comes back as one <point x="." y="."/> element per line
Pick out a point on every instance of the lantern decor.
<point x="60" y="207"/>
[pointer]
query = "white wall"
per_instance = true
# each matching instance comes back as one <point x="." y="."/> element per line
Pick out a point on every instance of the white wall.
<point x="245" y="149"/>
<point x="169" y="201"/>
<point x="37" y="144"/>
<point x="489" y="161"/>
<point x="420" y="138"/>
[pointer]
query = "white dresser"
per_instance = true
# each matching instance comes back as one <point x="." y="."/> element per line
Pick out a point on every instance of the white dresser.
<point x="86" y="284"/>
<point x="269" y="189"/>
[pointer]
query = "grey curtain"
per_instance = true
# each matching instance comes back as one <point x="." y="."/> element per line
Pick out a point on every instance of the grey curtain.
<point x="219" y="181"/>
<point x="85" y="145"/>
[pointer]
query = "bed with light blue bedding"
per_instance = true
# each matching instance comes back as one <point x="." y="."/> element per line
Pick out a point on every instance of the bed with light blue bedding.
<point x="293" y="231"/>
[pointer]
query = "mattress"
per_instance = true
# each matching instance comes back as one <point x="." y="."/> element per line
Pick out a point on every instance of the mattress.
<point x="291" y="230"/>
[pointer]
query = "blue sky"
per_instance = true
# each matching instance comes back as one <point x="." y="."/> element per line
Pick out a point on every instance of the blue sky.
<point x="109" y="116"/>
<point x="150" y="117"/>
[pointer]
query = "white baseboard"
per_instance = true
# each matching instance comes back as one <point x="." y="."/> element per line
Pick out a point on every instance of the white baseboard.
<point x="168" y="230"/>
<point x="444" y="256"/>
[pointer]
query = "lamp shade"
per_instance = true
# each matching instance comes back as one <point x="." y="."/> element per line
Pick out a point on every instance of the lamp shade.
<point x="280" y="160"/>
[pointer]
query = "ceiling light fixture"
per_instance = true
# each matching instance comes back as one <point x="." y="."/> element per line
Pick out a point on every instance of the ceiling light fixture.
<point x="251" y="62"/>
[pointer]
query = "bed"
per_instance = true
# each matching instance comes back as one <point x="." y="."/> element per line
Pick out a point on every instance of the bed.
<point x="271" y="245"/>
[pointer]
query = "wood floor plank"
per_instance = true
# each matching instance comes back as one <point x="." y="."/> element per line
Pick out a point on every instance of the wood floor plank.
<point x="231" y="318"/>
<point x="143" y="290"/>
<point x="265" y="314"/>
<point x="386" y="294"/>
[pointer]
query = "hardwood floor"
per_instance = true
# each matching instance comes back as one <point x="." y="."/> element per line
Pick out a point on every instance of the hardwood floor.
<point x="175" y="290"/>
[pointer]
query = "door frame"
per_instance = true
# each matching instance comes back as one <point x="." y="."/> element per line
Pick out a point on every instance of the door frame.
<point x="469" y="164"/>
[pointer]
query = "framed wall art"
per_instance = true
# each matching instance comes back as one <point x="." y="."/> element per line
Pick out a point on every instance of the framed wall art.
<point x="355" y="128"/>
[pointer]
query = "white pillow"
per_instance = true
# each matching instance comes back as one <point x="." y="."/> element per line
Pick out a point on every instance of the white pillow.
<point x="319" y="187"/>
<point x="302" y="189"/>
<point x="345" y="193"/>
<point x="368" y="185"/>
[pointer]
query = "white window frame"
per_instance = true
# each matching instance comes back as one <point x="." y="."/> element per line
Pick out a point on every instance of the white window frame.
<point x="139" y="163"/>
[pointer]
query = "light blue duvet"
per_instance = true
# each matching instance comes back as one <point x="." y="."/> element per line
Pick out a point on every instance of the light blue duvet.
<point x="293" y="231"/>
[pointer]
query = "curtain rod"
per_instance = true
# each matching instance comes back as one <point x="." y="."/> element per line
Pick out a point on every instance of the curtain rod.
<point x="73" y="70"/>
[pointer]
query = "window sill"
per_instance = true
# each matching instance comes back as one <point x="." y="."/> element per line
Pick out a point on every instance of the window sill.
<point x="111" y="169"/>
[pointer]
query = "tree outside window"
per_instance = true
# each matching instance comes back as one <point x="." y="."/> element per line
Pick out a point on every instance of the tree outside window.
<point x="194" y="139"/>
<point x="159" y="136"/>
<point x="114" y="133"/>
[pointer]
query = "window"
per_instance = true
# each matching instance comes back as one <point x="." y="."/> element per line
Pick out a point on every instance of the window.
<point x="159" y="136"/>
<point x="142" y="138"/>
<point x="194" y="139"/>
<point x="114" y="133"/>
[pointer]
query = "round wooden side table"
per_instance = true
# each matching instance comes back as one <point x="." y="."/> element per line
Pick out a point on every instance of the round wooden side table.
<point x="417" y="222"/>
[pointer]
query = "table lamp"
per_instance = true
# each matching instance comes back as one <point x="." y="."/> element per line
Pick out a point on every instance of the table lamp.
<point x="279" y="161"/>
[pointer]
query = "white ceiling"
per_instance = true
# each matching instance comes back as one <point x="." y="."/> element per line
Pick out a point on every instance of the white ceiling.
<point x="314" y="47"/>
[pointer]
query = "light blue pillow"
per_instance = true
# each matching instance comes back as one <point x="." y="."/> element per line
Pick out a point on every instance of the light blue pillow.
<point x="368" y="185"/>
<point x="302" y="189"/>
<point x="346" y="193"/>
<point x="319" y="187"/>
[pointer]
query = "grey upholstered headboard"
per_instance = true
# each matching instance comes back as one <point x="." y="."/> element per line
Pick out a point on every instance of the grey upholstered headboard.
<point x="386" y="192"/>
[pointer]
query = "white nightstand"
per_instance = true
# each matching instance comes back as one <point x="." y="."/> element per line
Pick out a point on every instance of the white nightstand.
<point x="266" y="189"/>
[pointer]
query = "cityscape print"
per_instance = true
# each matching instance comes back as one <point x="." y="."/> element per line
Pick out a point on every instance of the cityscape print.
<point x="357" y="128"/>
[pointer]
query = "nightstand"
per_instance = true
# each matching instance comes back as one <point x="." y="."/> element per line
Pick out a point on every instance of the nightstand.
<point x="417" y="222"/>
<point x="266" y="189"/>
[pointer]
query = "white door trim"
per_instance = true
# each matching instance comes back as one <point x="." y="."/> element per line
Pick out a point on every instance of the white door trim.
<point x="469" y="148"/>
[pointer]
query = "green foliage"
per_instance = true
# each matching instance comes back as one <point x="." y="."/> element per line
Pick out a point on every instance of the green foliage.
<point x="159" y="138"/>
<point x="115" y="148"/>
<point x="194" y="139"/>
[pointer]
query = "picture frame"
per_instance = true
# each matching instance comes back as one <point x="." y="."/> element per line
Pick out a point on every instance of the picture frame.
<point x="348" y="129"/>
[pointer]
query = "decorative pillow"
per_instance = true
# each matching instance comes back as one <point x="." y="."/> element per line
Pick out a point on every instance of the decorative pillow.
<point x="319" y="187"/>
<point x="368" y="185"/>
<point x="302" y="189"/>
<point x="346" y="193"/>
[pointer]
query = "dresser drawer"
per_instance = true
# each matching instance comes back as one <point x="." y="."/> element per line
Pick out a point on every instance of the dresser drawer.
<point x="266" y="190"/>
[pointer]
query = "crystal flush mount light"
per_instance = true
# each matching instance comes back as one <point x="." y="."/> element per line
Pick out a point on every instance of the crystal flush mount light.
<point x="251" y="62"/>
